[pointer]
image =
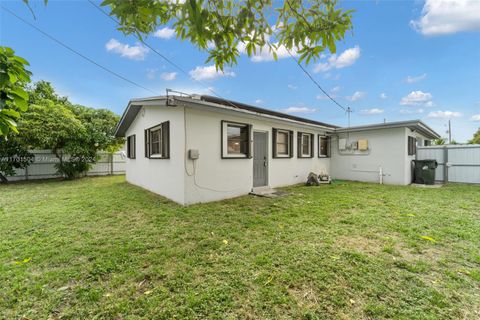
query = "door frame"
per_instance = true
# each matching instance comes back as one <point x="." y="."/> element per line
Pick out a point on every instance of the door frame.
<point x="267" y="134"/>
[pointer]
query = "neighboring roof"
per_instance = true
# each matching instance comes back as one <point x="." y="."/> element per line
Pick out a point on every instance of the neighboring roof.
<point x="416" y="125"/>
<point x="135" y="105"/>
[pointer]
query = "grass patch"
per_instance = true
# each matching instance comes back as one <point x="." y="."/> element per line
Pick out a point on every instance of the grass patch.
<point x="100" y="248"/>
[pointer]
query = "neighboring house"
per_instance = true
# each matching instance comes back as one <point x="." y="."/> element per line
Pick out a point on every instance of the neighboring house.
<point x="200" y="148"/>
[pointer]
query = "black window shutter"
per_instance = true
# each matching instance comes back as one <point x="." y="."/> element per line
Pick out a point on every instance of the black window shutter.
<point x="290" y="138"/>
<point x="135" y="146"/>
<point x="147" y="143"/>
<point x="249" y="141"/>
<point x="312" y="144"/>
<point x="166" y="139"/>
<point x="274" y="142"/>
<point x="128" y="147"/>
<point x="299" y="144"/>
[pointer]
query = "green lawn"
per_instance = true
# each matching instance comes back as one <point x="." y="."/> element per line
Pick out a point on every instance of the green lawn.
<point x="100" y="248"/>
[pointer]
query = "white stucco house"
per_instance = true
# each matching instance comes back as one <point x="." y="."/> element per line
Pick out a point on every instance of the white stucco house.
<point x="201" y="148"/>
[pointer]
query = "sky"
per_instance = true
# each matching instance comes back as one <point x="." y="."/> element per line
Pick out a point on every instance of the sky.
<point x="403" y="60"/>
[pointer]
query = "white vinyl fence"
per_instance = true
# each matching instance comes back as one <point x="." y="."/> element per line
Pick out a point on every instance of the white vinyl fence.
<point x="456" y="163"/>
<point x="43" y="166"/>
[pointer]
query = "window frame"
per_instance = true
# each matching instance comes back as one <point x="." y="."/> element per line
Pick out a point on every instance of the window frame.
<point x="152" y="132"/>
<point x="328" y="139"/>
<point x="224" y="140"/>
<point x="411" y="146"/>
<point x="300" y="153"/>
<point x="164" y="128"/>
<point x="275" y="154"/>
<point x="130" y="139"/>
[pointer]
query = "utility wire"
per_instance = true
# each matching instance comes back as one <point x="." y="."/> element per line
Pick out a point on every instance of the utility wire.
<point x="316" y="83"/>
<point x="162" y="55"/>
<point x="346" y="109"/>
<point x="76" y="52"/>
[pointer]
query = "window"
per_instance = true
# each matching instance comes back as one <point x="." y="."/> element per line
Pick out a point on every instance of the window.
<point x="282" y="143"/>
<point x="131" y="147"/>
<point x="323" y="146"/>
<point x="427" y="143"/>
<point x="305" y="145"/>
<point x="412" y="146"/>
<point x="157" y="141"/>
<point x="235" y="140"/>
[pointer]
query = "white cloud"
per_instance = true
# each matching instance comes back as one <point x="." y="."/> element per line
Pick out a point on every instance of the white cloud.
<point x="259" y="101"/>
<point x="136" y="52"/>
<point x="299" y="110"/>
<point x="358" y="95"/>
<point x="412" y="79"/>
<point x="151" y="73"/>
<point x="373" y="111"/>
<point x="264" y="54"/>
<point x="476" y="117"/>
<point x="383" y="95"/>
<point x="444" y="114"/>
<point x="409" y="111"/>
<point x="336" y="89"/>
<point x="292" y="87"/>
<point x="441" y="17"/>
<point x="209" y="73"/>
<point x="417" y="98"/>
<point x="168" y="76"/>
<point x="345" y="59"/>
<point x="164" y="33"/>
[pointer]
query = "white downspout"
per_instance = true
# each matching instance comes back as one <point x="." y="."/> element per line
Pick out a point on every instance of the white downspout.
<point x="380" y="174"/>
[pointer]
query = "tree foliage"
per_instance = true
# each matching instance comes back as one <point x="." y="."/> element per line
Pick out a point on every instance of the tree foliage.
<point x="74" y="133"/>
<point x="13" y="155"/>
<point x="221" y="26"/>
<point x="476" y="138"/>
<point x="13" y="97"/>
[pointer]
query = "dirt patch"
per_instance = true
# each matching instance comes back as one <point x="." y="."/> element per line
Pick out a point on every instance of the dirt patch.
<point x="369" y="246"/>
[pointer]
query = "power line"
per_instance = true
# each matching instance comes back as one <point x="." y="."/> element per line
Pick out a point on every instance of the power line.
<point x="346" y="109"/>
<point x="161" y="55"/>
<point x="76" y="52"/>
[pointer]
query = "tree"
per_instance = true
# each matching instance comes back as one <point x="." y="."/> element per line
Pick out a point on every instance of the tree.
<point x="43" y="90"/>
<point x="13" y="155"/>
<point x="54" y="126"/>
<point x="476" y="138"/>
<point x="13" y="97"/>
<point x="100" y="127"/>
<point x="74" y="133"/>
<point x="440" y="141"/>
<point x="220" y="27"/>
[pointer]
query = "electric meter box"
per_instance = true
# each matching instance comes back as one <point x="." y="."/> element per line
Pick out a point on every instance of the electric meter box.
<point x="193" y="154"/>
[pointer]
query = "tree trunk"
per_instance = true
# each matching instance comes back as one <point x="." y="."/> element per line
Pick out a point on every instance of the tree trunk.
<point x="3" y="179"/>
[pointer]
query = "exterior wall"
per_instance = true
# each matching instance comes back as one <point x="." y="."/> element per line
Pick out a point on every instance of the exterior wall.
<point x="388" y="149"/>
<point x="162" y="176"/>
<point x="214" y="178"/>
